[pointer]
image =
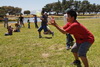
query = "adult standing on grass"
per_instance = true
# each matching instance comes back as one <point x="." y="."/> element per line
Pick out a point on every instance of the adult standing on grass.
<point x="5" y="21"/>
<point x="35" y="21"/>
<point x="21" y="20"/>
<point x="69" y="38"/>
<point x="84" y="38"/>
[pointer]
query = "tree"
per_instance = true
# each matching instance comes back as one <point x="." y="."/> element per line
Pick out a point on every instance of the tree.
<point x="63" y="5"/>
<point x="84" y="6"/>
<point x="2" y="12"/>
<point x="27" y="12"/>
<point x="48" y="7"/>
<point x="11" y="10"/>
<point x="80" y="7"/>
<point x="57" y="7"/>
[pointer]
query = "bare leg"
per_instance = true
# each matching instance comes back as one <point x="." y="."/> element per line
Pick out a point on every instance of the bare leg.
<point x="85" y="61"/>
<point x="40" y="35"/>
<point x="75" y="56"/>
<point x="23" y="24"/>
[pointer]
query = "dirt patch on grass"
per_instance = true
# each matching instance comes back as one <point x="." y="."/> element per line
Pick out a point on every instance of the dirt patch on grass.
<point x="45" y="55"/>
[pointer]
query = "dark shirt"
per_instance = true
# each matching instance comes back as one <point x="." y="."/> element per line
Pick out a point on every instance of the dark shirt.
<point x="44" y="22"/>
<point x="35" y="19"/>
<point x="21" y="19"/>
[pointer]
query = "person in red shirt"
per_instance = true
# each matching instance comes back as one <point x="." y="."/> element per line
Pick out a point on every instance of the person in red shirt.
<point x="84" y="38"/>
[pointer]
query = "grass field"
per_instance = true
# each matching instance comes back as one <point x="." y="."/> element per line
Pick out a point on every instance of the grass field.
<point x="25" y="49"/>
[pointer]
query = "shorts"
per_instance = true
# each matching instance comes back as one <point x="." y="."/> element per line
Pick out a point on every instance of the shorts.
<point x="43" y="27"/>
<point x="81" y="49"/>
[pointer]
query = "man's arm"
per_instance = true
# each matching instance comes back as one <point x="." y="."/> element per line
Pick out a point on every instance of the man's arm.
<point x="52" y="22"/>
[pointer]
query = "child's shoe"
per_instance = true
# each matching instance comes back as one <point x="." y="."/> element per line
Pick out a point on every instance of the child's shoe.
<point x="76" y="62"/>
<point x="68" y="47"/>
<point x="40" y="36"/>
<point x="52" y="33"/>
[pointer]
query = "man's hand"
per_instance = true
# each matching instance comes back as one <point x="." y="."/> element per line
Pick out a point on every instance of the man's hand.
<point x="52" y="21"/>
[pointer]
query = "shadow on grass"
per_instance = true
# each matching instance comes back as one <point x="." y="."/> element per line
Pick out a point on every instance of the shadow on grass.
<point x="79" y="65"/>
<point x="48" y="37"/>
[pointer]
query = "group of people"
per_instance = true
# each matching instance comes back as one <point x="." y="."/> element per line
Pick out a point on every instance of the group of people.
<point x="11" y="30"/>
<point x="20" y="23"/>
<point x="83" y="37"/>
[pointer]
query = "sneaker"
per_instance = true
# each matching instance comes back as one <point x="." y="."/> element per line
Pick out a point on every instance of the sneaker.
<point x="52" y="33"/>
<point x="68" y="47"/>
<point x="40" y="36"/>
<point x="76" y="62"/>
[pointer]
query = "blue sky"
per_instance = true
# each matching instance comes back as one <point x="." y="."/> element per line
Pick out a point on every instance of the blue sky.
<point x="33" y="4"/>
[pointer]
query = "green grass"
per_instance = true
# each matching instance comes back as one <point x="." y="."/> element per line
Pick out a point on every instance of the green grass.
<point x="25" y="49"/>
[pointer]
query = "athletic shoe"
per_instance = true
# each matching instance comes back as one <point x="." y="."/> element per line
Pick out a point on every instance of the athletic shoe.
<point x="52" y="33"/>
<point x="68" y="47"/>
<point x="40" y="36"/>
<point x="76" y="62"/>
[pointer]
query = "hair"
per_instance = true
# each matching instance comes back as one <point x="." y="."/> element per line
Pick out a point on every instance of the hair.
<point x="9" y="26"/>
<point x="42" y="12"/>
<point x="72" y="13"/>
<point x="16" y="24"/>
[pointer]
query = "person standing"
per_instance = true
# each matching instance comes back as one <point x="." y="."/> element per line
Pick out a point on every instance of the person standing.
<point x="35" y="21"/>
<point x="69" y="38"/>
<point x="5" y="21"/>
<point x="28" y="21"/>
<point x="21" y="21"/>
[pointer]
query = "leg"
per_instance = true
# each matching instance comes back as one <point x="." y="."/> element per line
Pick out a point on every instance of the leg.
<point x="45" y="29"/>
<point x="67" y="42"/>
<point x="84" y="47"/>
<point x="70" y="40"/>
<point x="5" y="24"/>
<point x="39" y="31"/>
<point x="40" y="35"/>
<point x="36" y="26"/>
<point x="76" y="56"/>
<point x="74" y="50"/>
<point x="23" y="24"/>
<point x="85" y="61"/>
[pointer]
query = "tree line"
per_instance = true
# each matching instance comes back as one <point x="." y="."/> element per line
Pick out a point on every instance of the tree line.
<point x="80" y="7"/>
<point x="10" y="10"/>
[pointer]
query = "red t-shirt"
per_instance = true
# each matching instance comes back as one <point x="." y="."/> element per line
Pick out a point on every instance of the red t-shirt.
<point x="80" y="33"/>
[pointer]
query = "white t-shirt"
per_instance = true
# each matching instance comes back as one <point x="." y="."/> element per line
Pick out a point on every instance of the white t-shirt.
<point x="65" y="18"/>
